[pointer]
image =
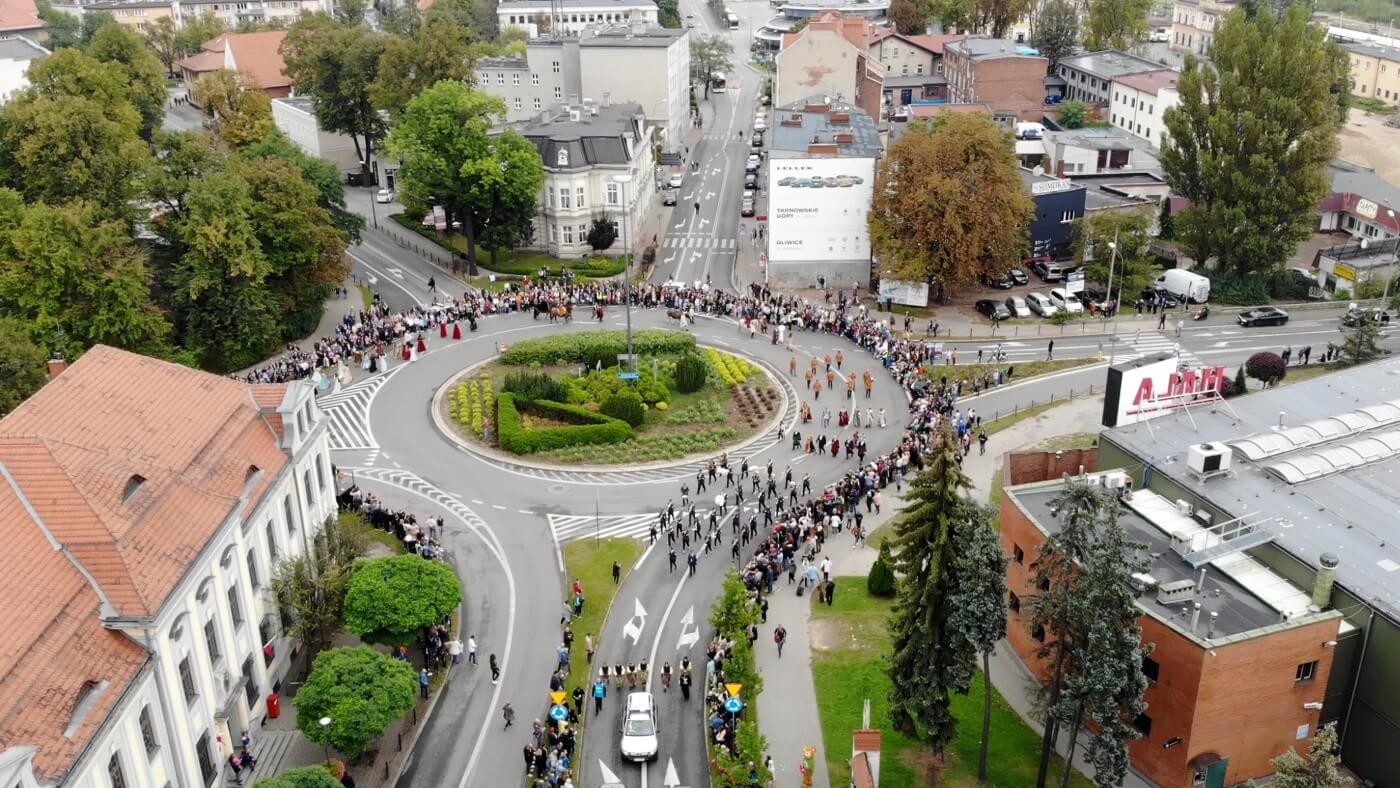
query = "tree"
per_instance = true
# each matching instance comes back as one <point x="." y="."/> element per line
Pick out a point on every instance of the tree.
<point x="449" y="156"/>
<point x="1241" y="384"/>
<point x="390" y="599"/>
<point x="196" y="31"/>
<point x="733" y="612"/>
<point x="23" y="366"/>
<point x="164" y="40"/>
<point x="313" y="586"/>
<point x="1361" y="342"/>
<point x="76" y="279"/>
<point x="999" y="15"/>
<point x="337" y="65"/>
<point x="1130" y="268"/>
<point x="709" y="55"/>
<point x="978" y="603"/>
<point x="438" y="50"/>
<point x="601" y="234"/>
<point x="61" y="27"/>
<point x="1321" y="769"/>
<point x="668" y="14"/>
<point x="241" y="117"/>
<point x="1116" y="24"/>
<point x="949" y="203"/>
<point x="1074" y="114"/>
<point x="1266" y="367"/>
<point x="963" y="16"/>
<point x="907" y="18"/>
<point x="361" y="690"/>
<point x="930" y="658"/>
<point x="881" y="580"/>
<point x="122" y="49"/>
<point x="1166" y="221"/>
<point x="1055" y="31"/>
<point x="301" y="777"/>
<point x="1281" y="76"/>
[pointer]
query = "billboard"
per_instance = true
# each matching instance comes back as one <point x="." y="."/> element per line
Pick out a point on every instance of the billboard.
<point x="818" y="209"/>
<point x="907" y="293"/>
<point x="1148" y="387"/>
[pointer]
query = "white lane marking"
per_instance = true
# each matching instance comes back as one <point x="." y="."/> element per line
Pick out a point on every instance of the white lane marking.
<point x="351" y="253"/>
<point x="478" y="503"/>
<point x="635" y="625"/>
<point x="525" y="511"/>
<point x="691" y="637"/>
<point x="656" y="645"/>
<point x="645" y="553"/>
<point x="498" y="506"/>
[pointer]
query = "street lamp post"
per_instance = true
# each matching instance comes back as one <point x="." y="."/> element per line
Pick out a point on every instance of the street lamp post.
<point x="626" y="271"/>
<point x="325" y="724"/>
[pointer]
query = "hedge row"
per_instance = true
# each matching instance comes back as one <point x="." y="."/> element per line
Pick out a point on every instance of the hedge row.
<point x="586" y="427"/>
<point x="594" y="346"/>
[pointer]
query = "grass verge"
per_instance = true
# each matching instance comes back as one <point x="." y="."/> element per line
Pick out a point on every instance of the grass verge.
<point x="1073" y="440"/>
<point x="591" y="562"/>
<point x="1298" y="374"/>
<point x="850" y="644"/>
<point x="366" y="295"/>
<point x="357" y="523"/>
<point x="520" y="263"/>
<point x="1022" y="370"/>
<point x="1012" y="419"/>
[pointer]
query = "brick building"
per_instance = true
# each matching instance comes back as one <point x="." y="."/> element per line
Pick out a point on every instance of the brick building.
<point x="1241" y="656"/>
<point x="830" y="57"/>
<point x="1007" y="76"/>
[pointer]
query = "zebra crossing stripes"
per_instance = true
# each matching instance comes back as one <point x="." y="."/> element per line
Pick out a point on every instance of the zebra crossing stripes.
<point x="698" y="242"/>
<point x="1153" y="342"/>
<point x="348" y="412"/>
<point x="572" y="527"/>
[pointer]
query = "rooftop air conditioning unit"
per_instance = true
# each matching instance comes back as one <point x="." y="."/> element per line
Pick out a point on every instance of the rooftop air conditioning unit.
<point x="574" y="115"/>
<point x="1095" y="481"/>
<point x="1208" y="458"/>
<point x="1184" y="507"/>
<point x="1175" y="591"/>
<point x="1142" y="582"/>
<point x="1115" y="480"/>
<point x="1205" y="518"/>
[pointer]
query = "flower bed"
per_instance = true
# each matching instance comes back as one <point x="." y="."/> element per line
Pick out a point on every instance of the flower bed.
<point x="650" y="448"/>
<point x="731" y="369"/>
<point x="472" y="402"/>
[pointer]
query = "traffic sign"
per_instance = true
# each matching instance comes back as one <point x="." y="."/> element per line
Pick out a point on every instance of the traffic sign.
<point x="629" y="375"/>
<point x="733" y="689"/>
<point x="734" y="705"/>
<point x="558" y="713"/>
<point x="557" y="697"/>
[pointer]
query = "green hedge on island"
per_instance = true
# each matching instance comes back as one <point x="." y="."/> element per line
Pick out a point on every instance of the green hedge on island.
<point x="586" y="428"/>
<point x="594" y="346"/>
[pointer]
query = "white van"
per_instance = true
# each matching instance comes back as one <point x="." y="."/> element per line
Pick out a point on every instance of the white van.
<point x="1065" y="302"/>
<point x="1184" y="284"/>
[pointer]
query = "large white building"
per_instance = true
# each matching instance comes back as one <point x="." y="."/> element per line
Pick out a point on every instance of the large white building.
<point x="571" y="17"/>
<point x="598" y="162"/>
<point x="16" y="54"/>
<point x="1140" y="100"/>
<point x="296" y="117"/>
<point x="636" y="63"/>
<point x="146" y="506"/>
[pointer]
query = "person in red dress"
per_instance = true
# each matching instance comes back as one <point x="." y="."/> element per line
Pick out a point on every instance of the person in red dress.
<point x="422" y="345"/>
<point x="456" y="331"/>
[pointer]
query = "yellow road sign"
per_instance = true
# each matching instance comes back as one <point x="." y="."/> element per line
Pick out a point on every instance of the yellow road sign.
<point x="557" y="697"/>
<point x="734" y="689"/>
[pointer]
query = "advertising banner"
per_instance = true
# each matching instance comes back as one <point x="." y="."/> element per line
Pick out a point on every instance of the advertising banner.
<point x="906" y="293"/>
<point x="1148" y="387"/>
<point x="819" y="208"/>
<point x="1074" y="282"/>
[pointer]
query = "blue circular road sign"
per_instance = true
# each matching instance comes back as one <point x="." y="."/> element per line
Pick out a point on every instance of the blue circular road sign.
<point x="559" y="713"/>
<point x="734" y="705"/>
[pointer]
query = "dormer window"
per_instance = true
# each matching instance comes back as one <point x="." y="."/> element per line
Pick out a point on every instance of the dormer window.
<point x="563" y="157"/>
<point x="251" y="473"/>
<point x="132" y="485"/>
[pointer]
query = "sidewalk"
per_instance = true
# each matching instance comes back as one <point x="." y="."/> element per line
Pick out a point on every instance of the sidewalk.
<point x="789" y="716"/>
<point x="336" y="310"/>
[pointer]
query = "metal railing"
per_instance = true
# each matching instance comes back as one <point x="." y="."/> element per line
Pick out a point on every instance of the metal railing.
<point x="1042" y="402"/>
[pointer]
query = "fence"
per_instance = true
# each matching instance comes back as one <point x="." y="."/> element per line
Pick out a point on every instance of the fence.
<point x="421" y="246"/>
<point x="1044" y="402"/>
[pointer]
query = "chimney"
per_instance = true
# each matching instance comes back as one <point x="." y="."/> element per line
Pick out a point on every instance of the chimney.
<point x="638" y="27"/>
<point x="1195" y="618"/>
<point x="867" y="742"/>
<point x="56" y="366"/>
<point x="1201" y="582"/>
<point x="1210" y="630"/>
<point x="1322" y="584"/>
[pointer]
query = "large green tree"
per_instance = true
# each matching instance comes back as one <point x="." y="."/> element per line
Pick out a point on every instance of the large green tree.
<point x="361" y="690"/>
<point x="122" y="50"/>
<point x="1055" y="31"/>
<point x="22" y="366"/>
<point x="1249" y="143"/>
<point x="240" y="117"/>
<point x="709" y="55"/>
<point x="1116" y="24"/>
<point x="978" y="603"/>
<point x="907" y="19"/>
<point x="313" y="585"/>
<point x="1129" y="266"/>
<point x="390" y="599"/>
<point x="438" y="49"/>
<point x="1321" y="769"/>
<point x="337" y="65"/>
<point x="450" y="156"/>
<point x="949" y="203"/>
<point x="999" y="15"/>
<point x="931" y="658"/>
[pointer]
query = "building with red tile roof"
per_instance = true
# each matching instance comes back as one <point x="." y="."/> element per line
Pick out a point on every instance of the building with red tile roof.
<point x="129" y="487"/>
<point x="257" y="57"/>
<point x="21" y="18"/>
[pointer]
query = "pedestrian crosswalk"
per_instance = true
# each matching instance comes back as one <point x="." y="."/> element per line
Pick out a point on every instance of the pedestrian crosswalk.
<point x="697" y="242"/>
<point x="718" y="135"/>
<point x="573" y="527"/>
<point x="1153" y="342"/>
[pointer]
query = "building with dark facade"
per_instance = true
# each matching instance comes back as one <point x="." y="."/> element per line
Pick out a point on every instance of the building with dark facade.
<point x="1058" y="203"/>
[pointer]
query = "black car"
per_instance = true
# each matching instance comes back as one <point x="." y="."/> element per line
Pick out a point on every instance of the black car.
<point x="995" y="310"/>
<point x="1353" y="317"/>
<point x="1164" y="299"/>
<point x="1001" y="281"/>
<point x="1089" y="296"/>
<point x="1019" y="277"/>
<point x="1263" y="316"/>
<point x="750" y="180"/>
<point x="757" y="139"/>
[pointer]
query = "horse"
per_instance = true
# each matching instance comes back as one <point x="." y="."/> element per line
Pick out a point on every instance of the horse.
<point x="563" y="311"/>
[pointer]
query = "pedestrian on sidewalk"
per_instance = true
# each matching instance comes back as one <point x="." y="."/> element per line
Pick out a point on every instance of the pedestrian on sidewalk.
<point x="830" y="592"/>
<point x="495" y="669"/>
<point x="588" y="647"/>
<point x="423" y="683"/>
<point x="780" y="637"/>
<point x="509" y="714"/>
<point x="471" y="649"/>
<point x="982" y="442"/>
<point x="1050" y="351"/>
<point x="454" y="648"/>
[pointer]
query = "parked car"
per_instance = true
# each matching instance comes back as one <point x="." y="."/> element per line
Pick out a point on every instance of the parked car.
<point x="1089" y="296"/>
<point x="746" y="208"/>
<point x="1164" y="298"/>
<point x="1040" y="305"/>
<point x="995" y="310"/>
<point x="676" y="180"/>
<point x="1065" y="301"/>
<point x="1001" y="281"/>
<point x="750" y="180"/>
<point x="1017" y="275"/>
<point x="757" y="139"/>
<point x="1184" y="284"/>
<point x="384" y="196"/>
<point x="1017" y="307"/>
<point x="1263" y="316"/>
<point x="669" y="197"/>
<point x="1355" y="315"/>
<point x="1048" y="270"/>
<point x="752" y="164"/>
<point x="760" y="125"/>
<point x="639" y="729"/>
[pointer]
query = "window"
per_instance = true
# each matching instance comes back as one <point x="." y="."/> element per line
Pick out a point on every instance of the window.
<point x="568" y="233"/>
<point x="321" y="473"/>
<point x="287" y="506"/>
<point x="556" y="67"/>
<point x="579" y="201"/>
<point x="565" y="199"/>
<point x="1038" y="632"/>
<point x="253" y="579"/>
<point x="1013" y="601"/>
<point x="563" y="160"/>
<point x="1305" y="671"/>
<point x="187" y="680"/>
<point x="551" y="196"/>
<point x="1144" y="724"/>
<point x="558" y="93"/>
<point x="250" y="683"/>
<point x="919" y="69"/>
<point x="235" y="611"/>
<point x="534" y="78"/>
<point x="114" y="771"/>
<point x="211" y="641"/>
<point x="1043" y="584"/>
<point x="515" y="78"/>
<point x="1017" y="554"/>
<point x="132" y="485"/>
<point x="553" y="233"/>
<point x="519" y="103"/>
<point x="148" y="731"/>
<point x="1066" y="217"/>
<point x="614" y="196"/>
<point x="500" y="78"/>
<point x="538" y="104"/>
<point x="266" y="631"/>
<point x="206" y="758"/>
<point x="1150" y="668"/>
<point x="904" y="70"/>
<point x="272" y="549"/>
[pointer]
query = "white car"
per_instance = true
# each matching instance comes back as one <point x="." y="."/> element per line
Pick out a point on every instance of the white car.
<point x="1065" y="301"/>
<point x="384" y="196"/>
<point x="675" y="181"/>
<point x="1040" y="305"/>
<point x="639" y="742"/>
<point x="752" y="165"/>
<point x="1018" y="307"/>
<point x="760" y="125"/>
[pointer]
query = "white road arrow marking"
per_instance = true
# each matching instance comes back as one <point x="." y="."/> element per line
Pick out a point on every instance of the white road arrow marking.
<point x="691" y="637"/>
<point x="398" y="274"/>
<point x="694" y="255"/>
<point x="608" y="776"/>
<point x="672" y="779"/>
<point x="680" y="224"/>
<point x="715" y="171"/>
<point x="709" y="195"/>
<point x="634" y="626"/>
<point x="704" y="222"/>
<point x="373" y="280"/>
<point x="669" y="258"/>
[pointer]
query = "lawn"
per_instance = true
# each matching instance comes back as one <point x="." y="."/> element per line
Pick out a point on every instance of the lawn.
<point x="1021" y="370"/>
<point x="1298" y="374"/>
<point x="366" y="295"/>
<point x="520" y="263"/>
<point x="591" y="562"/>
<point x="1012" y="419"/>
<point x="357" y="523"/>
<point x="850" y="642"/>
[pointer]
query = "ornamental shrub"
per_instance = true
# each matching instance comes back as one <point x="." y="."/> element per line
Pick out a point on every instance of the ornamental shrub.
<point x="690" y="373"/>
<point x="530" y="386"/>
<point x="586" y="427"/>
<point x="627" y="406"/>
<point x="591" y="347"/>
<point x="1266" y="367"/>
<point x="880" y="581"/>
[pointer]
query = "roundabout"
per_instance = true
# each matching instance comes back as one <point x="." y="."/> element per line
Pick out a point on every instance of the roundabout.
<point x="513" y="518"/>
